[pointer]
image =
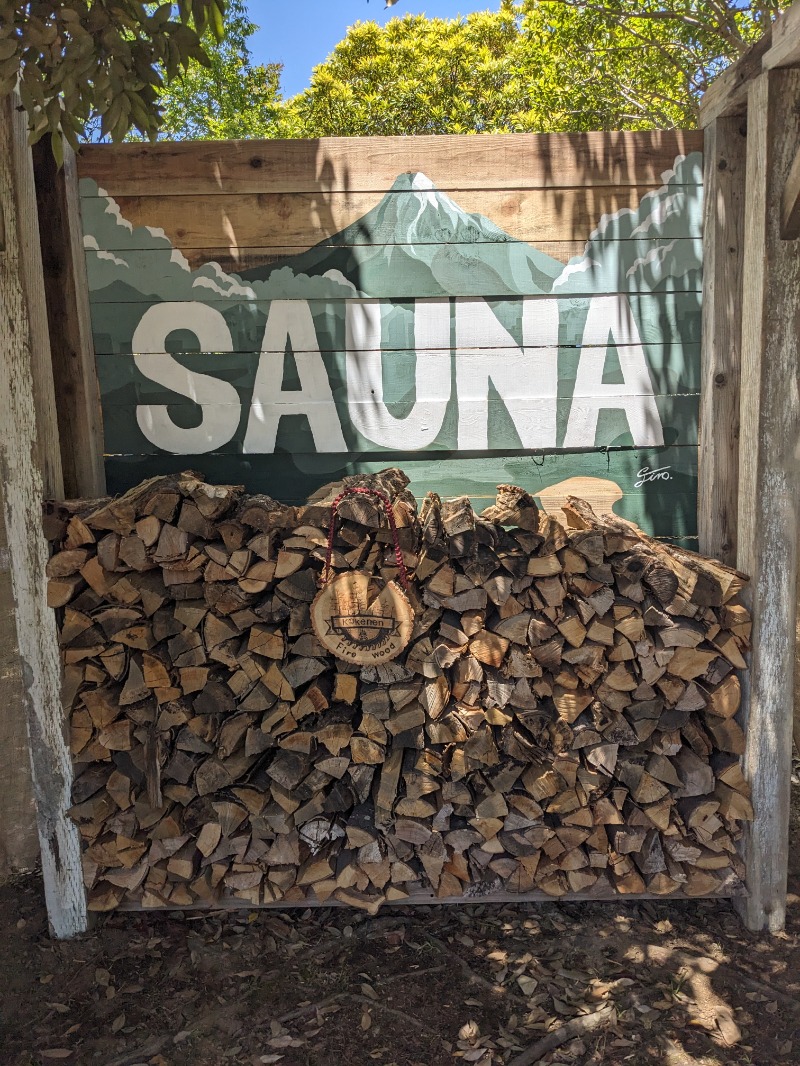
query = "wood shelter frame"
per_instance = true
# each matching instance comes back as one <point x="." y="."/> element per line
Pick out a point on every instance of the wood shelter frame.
<point x="51" y="434"/>
<point x="750" y="411"/>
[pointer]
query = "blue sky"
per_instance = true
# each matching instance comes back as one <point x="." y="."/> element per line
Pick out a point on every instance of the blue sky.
<point x="301" y="33"/>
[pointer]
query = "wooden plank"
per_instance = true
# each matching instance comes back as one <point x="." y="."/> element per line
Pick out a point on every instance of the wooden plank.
<point x="241" y="260"/>
<point x="370" y="164"/>
<point x="769" y="487"/>
<point x="725" y="163"/>
<point x="236" y="260"/>
<point x="428" y="899"/>
<point x="243" y="220"/>
<point x="29" y="458"/>
<point x="507" y="422"/>
<point x="790" y="202"/>
<point x="785" y="48"/>
<point x="656" y="487"/>
<point x="727" y="93"/>
<point x="19" y="843"/>
<point x="130" y="379"/>
<point x="673" y="364"/>
<point x="66" y="290"/>
<point x="671" y="319"/>
<point x="457" y="269"/>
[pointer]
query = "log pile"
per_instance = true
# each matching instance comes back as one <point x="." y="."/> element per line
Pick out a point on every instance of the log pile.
<point x="562" y="721"/>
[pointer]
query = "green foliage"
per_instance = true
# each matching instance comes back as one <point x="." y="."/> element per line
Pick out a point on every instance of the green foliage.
<point x="77" y="60"/>
<point x="227" y="98"/>
<point x="536" y="65"/>
<point x="123" y="68"/>
<point x="420" y="75"/>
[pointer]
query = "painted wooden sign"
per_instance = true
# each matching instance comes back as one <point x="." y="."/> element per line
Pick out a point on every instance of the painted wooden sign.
<point x="477" y="310"/>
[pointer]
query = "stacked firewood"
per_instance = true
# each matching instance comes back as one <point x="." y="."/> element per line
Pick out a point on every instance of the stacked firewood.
<point x="562" y="720"/>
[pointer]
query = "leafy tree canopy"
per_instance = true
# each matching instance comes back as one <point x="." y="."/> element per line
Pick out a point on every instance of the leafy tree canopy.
<point x="75" y="60"/>
<point x="535" y="65"/>
<point x="120" y="68"/>
<point x="228" y="98"/>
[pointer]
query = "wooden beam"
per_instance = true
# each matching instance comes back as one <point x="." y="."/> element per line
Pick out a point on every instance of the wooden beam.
<point x="779" y="47"/>
<point x="205" y="223"/>
<point x="332" y="165"/>
<point x="27" y="255"/>
<point x="790" y="203"/>
<point x="769" y="486"/>
<point x="727" y="93"/>
<point x="723" y="247"/>
<point x="80" y="421"/>
<point x="785" y="50"/>
<point x="30" y="461"/>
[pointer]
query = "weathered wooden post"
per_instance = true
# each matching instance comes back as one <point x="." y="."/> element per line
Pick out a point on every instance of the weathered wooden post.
<point x="751" y="344"/>
<point x="30" y="465"/>
<point x="79" y="413"/>
<point x="723" y="246"/>
<point x="769" y="507"/>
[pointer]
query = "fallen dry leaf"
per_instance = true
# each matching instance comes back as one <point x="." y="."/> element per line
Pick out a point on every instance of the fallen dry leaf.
<point x="731" y="1033"/>
<point x="470" y="1031"/>
<point x="283" y="1040"/>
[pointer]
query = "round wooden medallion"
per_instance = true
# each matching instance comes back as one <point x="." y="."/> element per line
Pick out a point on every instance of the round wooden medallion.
<point x="362" y="619"/>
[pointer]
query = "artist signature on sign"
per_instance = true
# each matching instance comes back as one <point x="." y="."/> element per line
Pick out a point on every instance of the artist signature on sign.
<point x="662" y="473"/>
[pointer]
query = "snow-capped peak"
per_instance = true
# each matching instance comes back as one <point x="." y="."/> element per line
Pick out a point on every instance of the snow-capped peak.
<point x="420" y="182"/>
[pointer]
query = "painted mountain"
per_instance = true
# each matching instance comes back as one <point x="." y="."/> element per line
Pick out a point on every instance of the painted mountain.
<point x="417" y="240"/>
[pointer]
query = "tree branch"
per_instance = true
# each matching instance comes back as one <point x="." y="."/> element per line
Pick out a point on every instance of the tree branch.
<point x="726" y="31"/>
<point x="585" y="1023"/>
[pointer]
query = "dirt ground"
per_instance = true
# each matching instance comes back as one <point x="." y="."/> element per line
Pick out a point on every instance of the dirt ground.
<point x="678" y="983"/>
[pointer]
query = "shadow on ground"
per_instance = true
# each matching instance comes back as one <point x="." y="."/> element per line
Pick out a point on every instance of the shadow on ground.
<point x="678" y="983"/>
